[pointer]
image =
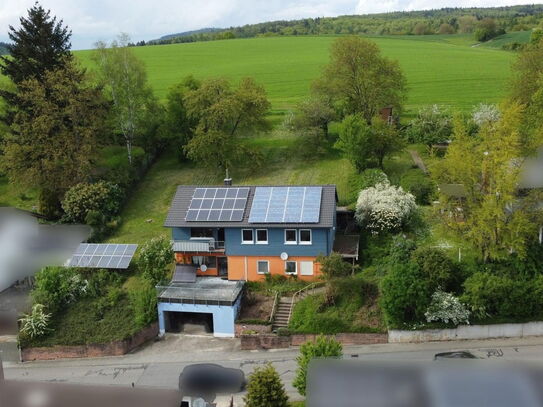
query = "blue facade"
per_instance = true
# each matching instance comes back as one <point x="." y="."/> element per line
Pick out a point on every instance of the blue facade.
<point x="322" y="241"/>
<point x="224" y="316"/>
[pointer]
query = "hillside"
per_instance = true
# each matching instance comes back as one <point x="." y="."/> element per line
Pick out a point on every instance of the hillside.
<point x="441" y="69"/>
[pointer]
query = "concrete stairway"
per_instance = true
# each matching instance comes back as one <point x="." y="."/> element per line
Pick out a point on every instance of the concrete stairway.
<point x="282" y="313"/>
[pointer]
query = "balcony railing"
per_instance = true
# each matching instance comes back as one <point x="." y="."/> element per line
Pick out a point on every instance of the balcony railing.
<point x="209" y="291"/>
<point x="198" y="245"/>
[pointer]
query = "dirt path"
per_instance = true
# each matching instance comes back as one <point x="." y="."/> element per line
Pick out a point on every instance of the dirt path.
<point x="418" y="161"/>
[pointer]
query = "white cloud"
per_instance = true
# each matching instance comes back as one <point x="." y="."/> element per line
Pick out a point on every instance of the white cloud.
<point x="93" y="20"/>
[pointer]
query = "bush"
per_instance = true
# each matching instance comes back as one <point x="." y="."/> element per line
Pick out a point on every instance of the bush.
<point x="446" y="308"/>
<point x="155" y="256"/>
<point x="368" y="178"/>
<point x="322" y="347"/>
<point x="400" y="249"/>
<point x="36" y="323"/>
<point x="432" y="125"/>
<point x="102" y="197"/>
<point x="438" y="269"/>
<point x="143" y="300"/>
<point x="418" y="184"/>
<point x="504" y="297"/>
<point x="99" y="280"/>
<point x="384" y="208"/>
<point x="265" y="389"/>
<point x="55" y="287"/>
<point x="405" y="295"/>
<point x="334" y="266"/>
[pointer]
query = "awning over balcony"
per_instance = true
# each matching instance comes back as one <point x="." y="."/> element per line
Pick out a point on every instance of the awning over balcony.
<point x="191" y="246"/>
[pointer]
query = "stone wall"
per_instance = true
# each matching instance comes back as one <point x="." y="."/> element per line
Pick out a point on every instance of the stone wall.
<point x="468" y="332"/>
<point x="252" y="342"/>
<point x="258" y="328"/>
<point x="116" y="348"/>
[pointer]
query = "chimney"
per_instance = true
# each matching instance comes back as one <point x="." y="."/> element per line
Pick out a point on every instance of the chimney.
<point x="227" y="180"/>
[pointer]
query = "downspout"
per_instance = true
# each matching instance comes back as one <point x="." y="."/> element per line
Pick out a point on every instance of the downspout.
<point x="245" y="264"/>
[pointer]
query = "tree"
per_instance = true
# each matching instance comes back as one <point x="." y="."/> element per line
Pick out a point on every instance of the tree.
<point x="384" y="208"/>
<point x="126" y="84"/>
<point x="55" y="138"/>
<point x="224" y="114"/>
<point x="363" y="144"/>
<point x="446" y="28"/>
<point x="485" y="114"/>
<point x="421" y="29"/>
<point x="314" y="111"/>
<point x="156" y="254"/>
<point x="102" y="196"/>
<point x="359" y="79"/>
<point x="41" y="44"/>
<point x="467" y="24"/>
<point x="487" y="30"/>
<point x="265" y="389"/>
<point x="432" y="125"/>
<point x="488" y="166"/>
<point x="322" y="347"/>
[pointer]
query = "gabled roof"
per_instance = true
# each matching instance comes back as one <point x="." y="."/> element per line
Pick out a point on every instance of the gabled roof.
<point x="183" y="196"/>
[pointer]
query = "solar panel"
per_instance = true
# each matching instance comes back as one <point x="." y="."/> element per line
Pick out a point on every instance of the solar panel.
<point x="286" y="205"/>
<point x="217" y="205"/>
<point x="113" y="256"/>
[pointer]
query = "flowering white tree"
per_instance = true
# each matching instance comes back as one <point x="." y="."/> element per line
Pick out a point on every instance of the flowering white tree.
<point x="445" y="307"/>
<point x="384" y="207"/>
<point x="484" y="114"/>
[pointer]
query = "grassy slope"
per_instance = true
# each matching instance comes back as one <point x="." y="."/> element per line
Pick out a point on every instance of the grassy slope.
<point x="522" y="37"/>
<point x="439" y="69"/>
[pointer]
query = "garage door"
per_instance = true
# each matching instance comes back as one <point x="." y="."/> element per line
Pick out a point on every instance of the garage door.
<point x="306" y="268"/>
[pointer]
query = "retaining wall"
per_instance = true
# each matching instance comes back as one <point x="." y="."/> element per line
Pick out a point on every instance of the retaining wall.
<point x="258" y="328"/>
<point x="270" y="341"/>
<point x="468" y="332"/>
<point x="116" y="348"/>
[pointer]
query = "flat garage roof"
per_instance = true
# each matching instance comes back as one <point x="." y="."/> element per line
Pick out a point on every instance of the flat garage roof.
<point x="206" y="290"/>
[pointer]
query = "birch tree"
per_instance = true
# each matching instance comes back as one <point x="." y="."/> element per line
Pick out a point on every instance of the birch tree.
<point x="125" y="80"/>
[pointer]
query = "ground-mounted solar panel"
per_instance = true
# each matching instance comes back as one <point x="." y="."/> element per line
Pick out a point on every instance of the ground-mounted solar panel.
<point x="112" y="256"/>
<point x="217" y="204"/>
<point x="286" y="205"/>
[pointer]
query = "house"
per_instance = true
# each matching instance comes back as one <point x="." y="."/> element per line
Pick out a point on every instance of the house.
<point x="246" y="232"/>
<point x="225" y="235"/>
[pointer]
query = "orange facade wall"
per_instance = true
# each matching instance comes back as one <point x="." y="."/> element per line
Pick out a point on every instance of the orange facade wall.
<point x="245" y="267"/>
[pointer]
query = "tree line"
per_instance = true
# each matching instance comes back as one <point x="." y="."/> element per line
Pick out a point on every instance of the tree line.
<point x="441" y="21"/>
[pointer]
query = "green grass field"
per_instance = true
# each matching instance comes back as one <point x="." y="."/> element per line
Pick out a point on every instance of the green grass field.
<point x="439" y="69"/>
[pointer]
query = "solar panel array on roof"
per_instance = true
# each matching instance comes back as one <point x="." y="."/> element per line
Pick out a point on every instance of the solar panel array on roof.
<point x="107" y="256"/>
<point x="286" y="205"/>
<point x="217" y="205"/>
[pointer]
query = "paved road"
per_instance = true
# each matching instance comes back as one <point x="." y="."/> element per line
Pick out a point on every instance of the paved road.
<point x="159" y="365"/>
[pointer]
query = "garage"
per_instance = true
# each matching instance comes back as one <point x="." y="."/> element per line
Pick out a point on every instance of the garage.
<point x="189" y="323"/>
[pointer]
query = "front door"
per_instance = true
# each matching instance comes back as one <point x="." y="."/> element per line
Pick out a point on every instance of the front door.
<point x="222" y="266"/>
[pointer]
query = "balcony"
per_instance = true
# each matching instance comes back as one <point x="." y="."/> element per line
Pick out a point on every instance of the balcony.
<point x="198" y="245"/>
<point x="205" y="290"/>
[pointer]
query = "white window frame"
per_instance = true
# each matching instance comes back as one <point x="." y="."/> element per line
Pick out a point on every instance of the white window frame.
<point x="252" y="241"/>
<point x="295" y="236"/>
<point x="310" y="236"/>
<point x="261" y="241"/>
<point x="295" y="267"/>
<point x="267" y="266"/>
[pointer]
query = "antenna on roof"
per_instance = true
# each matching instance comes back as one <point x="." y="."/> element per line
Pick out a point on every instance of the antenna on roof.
<point x="227" y="180"/>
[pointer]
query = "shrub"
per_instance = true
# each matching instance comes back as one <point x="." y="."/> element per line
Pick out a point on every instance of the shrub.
<point x="438" y="269"/>
<point x="445" y="307"/>
<point x="99" y="280"/>
<point x="56" y="286"/>
<point x="418" y="184"/>
<point x="400" y="249"/>
<point x="368" y="178"/>
<point x="405" y="294"/>
<point x="504" y="297"/>
<point x="265" y="389"/>
<point x="36" y="323"/>
<point x="102" y="197"/>
<point x="431" y="126"/>
<point x="155" y="255"/>
<point x="143" y="300"/>
<point x="485" y="114"/>
<point x="384" y="208"/>
<point x="322" y="347"/>
<point x="334" y="266"/>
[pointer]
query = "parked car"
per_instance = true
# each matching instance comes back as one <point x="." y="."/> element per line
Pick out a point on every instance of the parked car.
<point x="206" y="379"/>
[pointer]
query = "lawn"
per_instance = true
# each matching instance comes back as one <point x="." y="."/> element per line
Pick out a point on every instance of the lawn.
<point x="439" y="69"/>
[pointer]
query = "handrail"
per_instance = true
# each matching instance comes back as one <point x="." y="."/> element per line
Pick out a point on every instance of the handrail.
<point x="297" y="294"/>
<point x="274" y="307"/>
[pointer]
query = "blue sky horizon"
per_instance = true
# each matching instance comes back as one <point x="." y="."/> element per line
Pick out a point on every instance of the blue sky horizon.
<point x="102" y="20"/>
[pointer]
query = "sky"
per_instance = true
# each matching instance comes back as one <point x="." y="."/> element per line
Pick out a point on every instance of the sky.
<point x="94" y="20"/>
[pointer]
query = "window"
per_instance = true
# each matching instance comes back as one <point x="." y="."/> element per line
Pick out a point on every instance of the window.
<point x="262" y="267"/>
<point x="290" y="236"/>
<point x="305" y="236"/>
<point x="201" y="232"/>
<point x="290" y="267"/>
<point x="247" y="236"/>
<point x="209" y="261"/>
<point x="262" y="236"/>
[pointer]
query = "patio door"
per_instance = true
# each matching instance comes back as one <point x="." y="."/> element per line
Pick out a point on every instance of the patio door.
<point x="222" y="264"/>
